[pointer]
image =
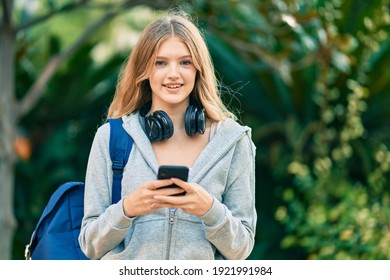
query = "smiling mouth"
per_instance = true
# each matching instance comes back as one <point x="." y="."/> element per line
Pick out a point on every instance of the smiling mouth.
<point x="173" y="86"/>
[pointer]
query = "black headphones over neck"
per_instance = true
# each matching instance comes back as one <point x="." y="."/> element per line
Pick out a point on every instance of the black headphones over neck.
<point x="159" y="127"/>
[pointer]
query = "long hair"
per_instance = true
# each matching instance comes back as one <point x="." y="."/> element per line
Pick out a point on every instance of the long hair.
<point x="133" y="89"/>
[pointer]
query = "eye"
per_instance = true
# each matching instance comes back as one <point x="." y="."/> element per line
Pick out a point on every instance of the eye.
<point x="160" y="63"/>
<point x="186" y="62"/>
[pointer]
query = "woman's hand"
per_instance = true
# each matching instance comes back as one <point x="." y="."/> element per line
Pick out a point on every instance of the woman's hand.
<point x="142" y="200"/>
<point x="197" y="201"/>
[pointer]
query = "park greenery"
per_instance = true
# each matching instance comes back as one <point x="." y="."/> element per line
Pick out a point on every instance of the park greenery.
<point x="311" y="78"/>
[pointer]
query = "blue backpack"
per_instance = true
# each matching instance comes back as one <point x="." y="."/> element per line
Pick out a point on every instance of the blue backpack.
<point x="56" y="234"/>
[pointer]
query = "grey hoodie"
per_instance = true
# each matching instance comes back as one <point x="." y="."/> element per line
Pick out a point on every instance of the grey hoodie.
<point x="225" y="168"/>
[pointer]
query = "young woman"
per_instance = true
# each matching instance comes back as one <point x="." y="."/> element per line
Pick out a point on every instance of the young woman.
<point x="168" y="99"/>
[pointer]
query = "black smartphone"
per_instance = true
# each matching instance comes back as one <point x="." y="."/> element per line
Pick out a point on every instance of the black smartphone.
<point x="173" y="171"/>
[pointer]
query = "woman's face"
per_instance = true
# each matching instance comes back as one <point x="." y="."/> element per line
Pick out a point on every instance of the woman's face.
<point x="173" y="75"/>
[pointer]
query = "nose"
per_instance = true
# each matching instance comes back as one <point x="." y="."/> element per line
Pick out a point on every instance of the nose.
<point x="173" y="71"/>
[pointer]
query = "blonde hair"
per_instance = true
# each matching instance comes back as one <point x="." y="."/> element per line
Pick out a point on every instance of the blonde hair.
<point x="133" y="89"/>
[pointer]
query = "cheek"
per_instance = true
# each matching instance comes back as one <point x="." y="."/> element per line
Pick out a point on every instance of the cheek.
<point x="155" y="79"/>
<point x="191" y="76"/>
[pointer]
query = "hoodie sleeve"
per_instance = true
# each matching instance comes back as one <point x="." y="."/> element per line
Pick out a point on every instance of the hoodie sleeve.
<point x="104" y="225"/>
<point x="230" y="224"/>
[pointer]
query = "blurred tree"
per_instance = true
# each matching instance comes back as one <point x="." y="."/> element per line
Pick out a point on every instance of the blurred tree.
<point x="318" y="72"/>
<point x="14" y="106"/>
<point x="310" y="77"/>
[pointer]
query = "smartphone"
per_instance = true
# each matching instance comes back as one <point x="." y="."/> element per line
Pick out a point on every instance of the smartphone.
<point x="173" y="171"/>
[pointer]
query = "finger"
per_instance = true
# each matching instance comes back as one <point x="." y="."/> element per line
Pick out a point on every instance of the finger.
<point x="155" y="184"/>
<point x="157" y="205"/>
<point x="167" y="191"/>
<point x="182" y="184"/>
<point x="168" y="206"/>
<point x="169" y="199"/>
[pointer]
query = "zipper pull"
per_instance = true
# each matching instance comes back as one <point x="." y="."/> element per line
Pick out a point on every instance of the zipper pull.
<point x="172" y="215"/>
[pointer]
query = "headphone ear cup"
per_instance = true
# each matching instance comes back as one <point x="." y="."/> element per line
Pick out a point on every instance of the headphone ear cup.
<point x="165" y="123"/>
<point x="190" y="120"/>
<point x="201" y="121"/>
<point x="158" y="126"/>
<point x="153" y="128"/>
<point x="195" y="120"/>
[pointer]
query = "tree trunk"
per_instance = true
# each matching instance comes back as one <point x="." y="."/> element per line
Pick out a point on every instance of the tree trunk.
<point x="7" y="134"/>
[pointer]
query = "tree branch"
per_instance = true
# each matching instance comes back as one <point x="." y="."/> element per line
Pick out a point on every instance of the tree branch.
<point x="69" y="7"/>
<point x="66" y="8"/>
<point x="36" y="90"/>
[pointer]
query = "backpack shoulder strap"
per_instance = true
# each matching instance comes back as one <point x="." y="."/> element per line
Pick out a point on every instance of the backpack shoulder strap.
<point x="120" y="147"/>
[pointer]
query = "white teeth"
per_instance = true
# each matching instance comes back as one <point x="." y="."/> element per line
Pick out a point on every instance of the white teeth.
<point x="173" y="86"/>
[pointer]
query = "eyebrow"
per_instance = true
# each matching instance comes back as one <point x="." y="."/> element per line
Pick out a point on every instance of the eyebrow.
<point x="181" y="57"/>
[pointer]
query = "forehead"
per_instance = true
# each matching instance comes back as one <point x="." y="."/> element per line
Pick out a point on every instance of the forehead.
<point x="173" y="47"/>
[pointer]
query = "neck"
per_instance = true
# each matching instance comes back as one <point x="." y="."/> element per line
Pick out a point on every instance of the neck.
<point x="176" y="113"/>
<point x="177" y="119"/>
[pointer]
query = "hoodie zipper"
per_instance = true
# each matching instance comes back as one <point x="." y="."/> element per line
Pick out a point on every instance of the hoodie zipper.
<point x="171" y="218"/>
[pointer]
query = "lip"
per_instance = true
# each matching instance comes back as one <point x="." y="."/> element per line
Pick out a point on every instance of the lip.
<point x="173" y="86"/>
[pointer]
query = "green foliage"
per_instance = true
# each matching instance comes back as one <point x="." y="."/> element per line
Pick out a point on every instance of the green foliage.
<point x="319" y="109"/>
<point x="61" y="129"/>
<point x="333" y="218"/>
<point x="62" y="125"/>
<point x="312" y="80"/>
